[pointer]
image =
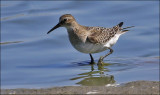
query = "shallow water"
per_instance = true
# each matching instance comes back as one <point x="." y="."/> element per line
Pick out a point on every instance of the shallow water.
<point x="32" y="59"/>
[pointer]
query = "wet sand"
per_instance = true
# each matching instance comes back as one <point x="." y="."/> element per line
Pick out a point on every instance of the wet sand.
<point x="136" y="87"/>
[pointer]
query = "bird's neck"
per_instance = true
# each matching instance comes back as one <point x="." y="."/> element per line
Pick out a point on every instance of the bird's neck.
<point x="75" y="33"/>
<point x="72" y="26"/>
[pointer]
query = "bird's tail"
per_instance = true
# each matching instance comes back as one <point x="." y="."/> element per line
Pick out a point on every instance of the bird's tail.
<point x="118" y="27"/>
<point x="122" y="29"/>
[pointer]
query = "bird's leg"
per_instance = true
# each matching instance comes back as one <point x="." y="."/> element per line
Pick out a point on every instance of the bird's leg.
<point x="92" y="60"/>
<point x="92" y="67"/>
<point x="100" y="62"/>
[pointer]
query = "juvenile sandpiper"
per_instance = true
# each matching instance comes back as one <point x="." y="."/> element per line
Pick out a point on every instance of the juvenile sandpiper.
<point x="90" y="39"/>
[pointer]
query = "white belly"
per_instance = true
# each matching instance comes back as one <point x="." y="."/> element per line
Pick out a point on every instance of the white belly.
<point x="89" y="47"/>
<point x="112" y="41"/>
<point x="86" y="47"/>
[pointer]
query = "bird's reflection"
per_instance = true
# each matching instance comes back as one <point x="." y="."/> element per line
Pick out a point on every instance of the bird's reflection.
<point x="95" y="77"/>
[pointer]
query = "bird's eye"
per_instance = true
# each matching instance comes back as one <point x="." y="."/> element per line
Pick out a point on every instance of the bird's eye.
<point x="65" y="20"/>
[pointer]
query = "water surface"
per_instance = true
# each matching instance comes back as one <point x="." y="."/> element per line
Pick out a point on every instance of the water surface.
<point x="32" y="59"/>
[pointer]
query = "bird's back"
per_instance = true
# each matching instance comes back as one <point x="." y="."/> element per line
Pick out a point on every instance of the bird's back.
<point x="101" y="35"/>
<point x="94" y="39"/>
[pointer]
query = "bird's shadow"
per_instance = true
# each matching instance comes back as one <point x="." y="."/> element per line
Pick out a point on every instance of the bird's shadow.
<point x="95" y="76"/>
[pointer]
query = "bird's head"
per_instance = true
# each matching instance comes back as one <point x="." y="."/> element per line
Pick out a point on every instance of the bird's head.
<point x="64" y="21"/>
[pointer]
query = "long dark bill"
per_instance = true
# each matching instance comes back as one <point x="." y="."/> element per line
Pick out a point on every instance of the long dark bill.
<point x="58" y="25"/>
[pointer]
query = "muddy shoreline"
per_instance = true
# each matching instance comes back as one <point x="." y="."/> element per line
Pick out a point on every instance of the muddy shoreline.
<point x="135" y="87"/>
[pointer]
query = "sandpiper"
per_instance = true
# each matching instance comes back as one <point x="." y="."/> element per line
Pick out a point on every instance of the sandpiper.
<point x="90" y="39"/>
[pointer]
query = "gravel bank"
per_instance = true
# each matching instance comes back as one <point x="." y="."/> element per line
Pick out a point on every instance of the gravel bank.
<point x="136" y="87"/>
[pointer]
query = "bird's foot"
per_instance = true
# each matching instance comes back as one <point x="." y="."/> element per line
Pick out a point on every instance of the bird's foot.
<point x="92" y="62"/>
<point x="100" y="61"/>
